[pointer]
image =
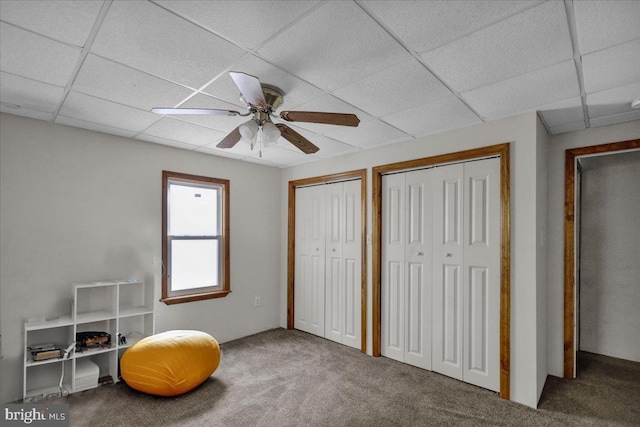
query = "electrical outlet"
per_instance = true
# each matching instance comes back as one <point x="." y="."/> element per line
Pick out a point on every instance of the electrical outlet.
<point x="257" y="302"/>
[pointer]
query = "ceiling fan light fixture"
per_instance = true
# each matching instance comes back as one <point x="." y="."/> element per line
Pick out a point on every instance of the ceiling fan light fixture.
<point x="249" y="130"/>
<point x="271" y="133"/>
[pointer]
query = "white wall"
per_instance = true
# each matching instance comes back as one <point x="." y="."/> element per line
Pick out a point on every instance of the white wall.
<point x="542" y="145"/>
<point x="610" y="271"/>
<point x="521" y="131"/>
<point x="555" y="243"/>
<point x="77" y="205"/>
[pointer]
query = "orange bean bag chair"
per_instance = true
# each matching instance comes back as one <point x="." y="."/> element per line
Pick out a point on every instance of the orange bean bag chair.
<point x="170" y="363"/>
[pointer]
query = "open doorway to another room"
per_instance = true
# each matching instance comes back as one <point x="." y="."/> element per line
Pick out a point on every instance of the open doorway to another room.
<point x="601" y="284"/>
<point x="614" y="189"/>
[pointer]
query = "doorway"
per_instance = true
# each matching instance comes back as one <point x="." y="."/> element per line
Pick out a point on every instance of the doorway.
<point x="572" y="244"/>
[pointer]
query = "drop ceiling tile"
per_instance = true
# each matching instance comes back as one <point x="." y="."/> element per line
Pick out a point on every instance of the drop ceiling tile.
<point x="615" y="119"/>
<point x="522" y="93"/>
<point x="368" y="134"/>
<point x="96" y="110"/>
<point x="66" y="21"/>
<point x="108" y="80"/>
<point x="425" y="25"/>
<point x="29" y="93"/>
<point x="612" y="67"/>
<point x="613" y="101"/>
<point x="211" y="149"/>
<point x="36" y="57"/>
<point x="284" y="157"/>
<point x="259" y="161"/>
<point x="602" y="24"/>
<point x="146" y="37"/>
<point x="533" y="39"/>
<point x="296" y="91"/>
<point x="402" y="87"/>
<point x="335" y="45"/>
<point x="567" y="127"/>
<point x="438" y="116"/>
<point x="94" y="126"/>
<point x="263" y="18"/>
<point x="164" y="141"/>
<point x="188" y="133"/>
<point x="26" y="112"/>
<point x="220" y="123"/>
<point x="562" y="112"/>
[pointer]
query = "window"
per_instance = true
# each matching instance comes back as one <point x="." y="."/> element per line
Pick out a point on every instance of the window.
<point x="195" y="237"/>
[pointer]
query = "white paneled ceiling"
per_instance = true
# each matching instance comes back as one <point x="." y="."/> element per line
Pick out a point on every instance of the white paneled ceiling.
<point x="406" y="68"/>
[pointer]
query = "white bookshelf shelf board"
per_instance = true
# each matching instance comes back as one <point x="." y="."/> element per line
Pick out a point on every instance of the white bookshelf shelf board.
<point x="96" y="316"/>
<point x="134" y="311"/>
<point x="47" y="324"/>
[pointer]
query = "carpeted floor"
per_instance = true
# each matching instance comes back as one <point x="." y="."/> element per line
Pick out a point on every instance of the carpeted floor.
<point x="606" y="388"/>
<point x="290" y="378"/>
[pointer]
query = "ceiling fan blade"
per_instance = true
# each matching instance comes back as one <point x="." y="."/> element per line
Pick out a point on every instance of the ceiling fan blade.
<point x="250" y="88"/>
<point x="210" y="111"/>
<point x="296" y="139"/>
<point x="317" y="117"/>
<point x="230" y="140"/>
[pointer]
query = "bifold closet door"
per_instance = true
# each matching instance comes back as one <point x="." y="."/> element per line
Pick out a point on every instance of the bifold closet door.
<point x="328" y="272"/>
<point x="466" y="272"/>
<point x="481" y="303"/>
<point x="343" y="263"/>
<point x="406" y="275"/>
<point x="310" y="260"/>
<point x="440" y="278"/>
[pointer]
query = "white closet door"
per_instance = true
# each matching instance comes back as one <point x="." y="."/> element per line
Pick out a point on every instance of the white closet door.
<point x="352" y="262"/>
<point x="481" y="280"/>
<point x="448" y="272"/>
<point x="310" y="260"/>
<point x="334" y="286"/>
<point x="302" y="259"/>
<point x="392" y="277"/>
<point x="418" y="268"/>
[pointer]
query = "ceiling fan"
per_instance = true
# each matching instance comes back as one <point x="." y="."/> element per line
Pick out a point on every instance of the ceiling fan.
<point x="262" y="100"/>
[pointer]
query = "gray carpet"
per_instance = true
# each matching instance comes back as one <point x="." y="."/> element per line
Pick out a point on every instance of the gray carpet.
<point x="606" y="388"/>
<point x="289" y="378"/>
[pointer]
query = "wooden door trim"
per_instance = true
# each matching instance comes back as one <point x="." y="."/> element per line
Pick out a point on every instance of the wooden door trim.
<point x="360" y="174"/>
<point x="571" y="155"/>
<point x="501" y="150"/>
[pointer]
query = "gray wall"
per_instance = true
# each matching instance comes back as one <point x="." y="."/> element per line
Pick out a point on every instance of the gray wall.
<point x="77" y="206"/>
<point x="610" y="262"/>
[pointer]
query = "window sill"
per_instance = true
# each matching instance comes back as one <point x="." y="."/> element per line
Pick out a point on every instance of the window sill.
<point x="194" y="297"/>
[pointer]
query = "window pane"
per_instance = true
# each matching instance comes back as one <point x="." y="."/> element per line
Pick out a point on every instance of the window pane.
<point x="193" y="210"/>
<point x="194" y="264"/>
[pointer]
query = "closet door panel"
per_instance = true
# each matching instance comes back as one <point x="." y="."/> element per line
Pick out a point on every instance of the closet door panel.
<point x="482" y="278"/>
<point x="334" y="291"/>
<point x="352" y="264"/>
<point x="316" y="294"/>
<point x="393" y="266"/>
<point x="418" y="256"/>
<point x="302" y="273"/>
<point x="447" y="270"/>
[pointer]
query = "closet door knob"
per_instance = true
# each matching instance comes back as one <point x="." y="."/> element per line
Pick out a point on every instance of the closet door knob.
<point x="333" y="250"/>
<point x="448" y="254"/>
<point x="420" y="253"/>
